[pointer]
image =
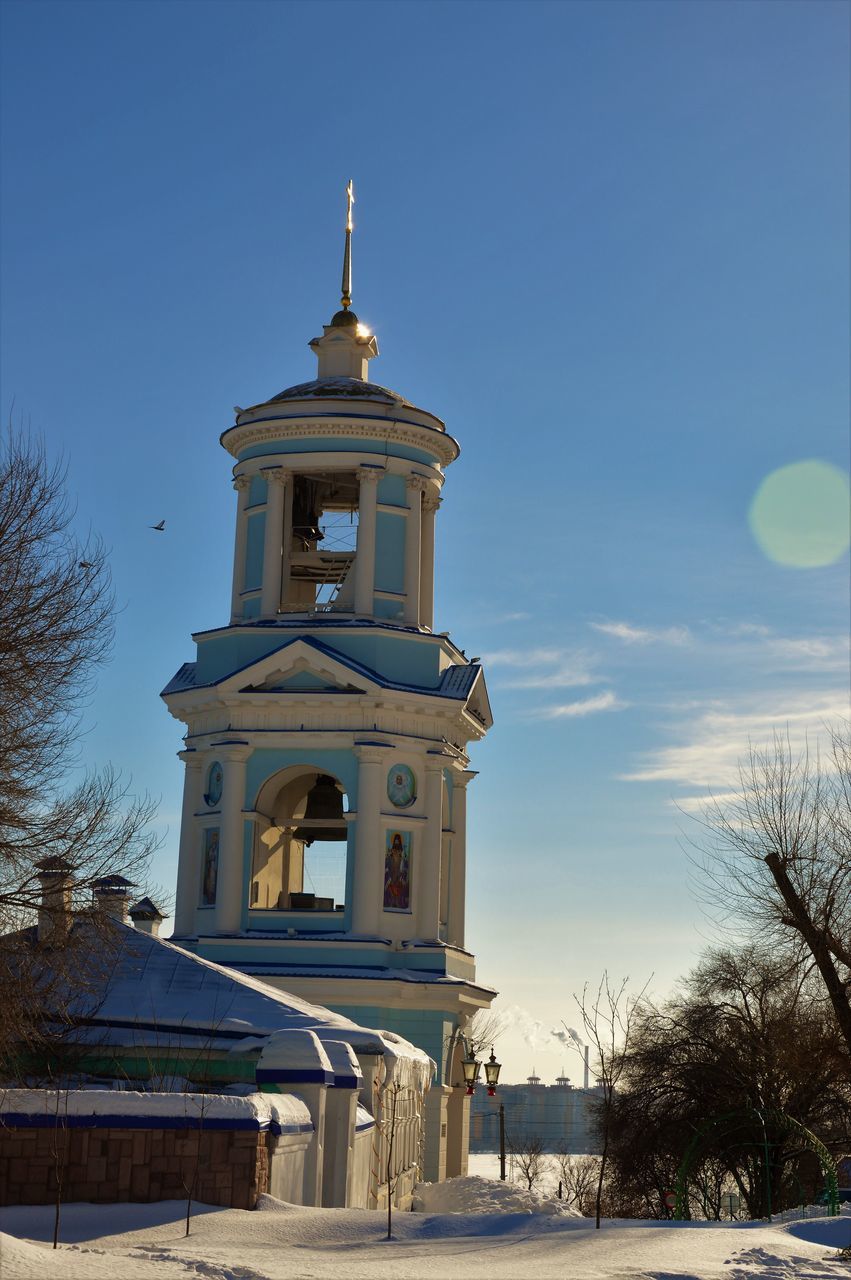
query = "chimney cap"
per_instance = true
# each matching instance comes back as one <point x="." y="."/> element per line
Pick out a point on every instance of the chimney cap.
<point x="54" y="864"/>
<point x="112" y="884"/>
<point x="145" y="909"/>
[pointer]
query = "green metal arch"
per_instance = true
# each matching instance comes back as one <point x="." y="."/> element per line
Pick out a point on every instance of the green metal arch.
<point x="786" y="1122"/>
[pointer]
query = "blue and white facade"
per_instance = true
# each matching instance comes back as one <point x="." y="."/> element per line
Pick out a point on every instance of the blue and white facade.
<point x="323" y="837"/>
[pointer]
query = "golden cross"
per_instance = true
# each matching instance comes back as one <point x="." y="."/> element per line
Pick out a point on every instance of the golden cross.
<point x="350" y="199"/>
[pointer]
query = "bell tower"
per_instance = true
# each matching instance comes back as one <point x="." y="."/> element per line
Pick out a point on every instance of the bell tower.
<point x="323" y="832"/>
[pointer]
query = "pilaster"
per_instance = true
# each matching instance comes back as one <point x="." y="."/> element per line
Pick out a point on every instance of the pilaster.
<point x="229" y="885"/>
<point x="242" y="484"/>
<point x="430" y="505"/>
<point x="365" y="553"/>
<point x="273" y="538"/>
<point x="188" y="858"/>
<point x="458" y="861"/>
<point x="427" y="876"/>
<point x="415" y="486"/>
<point x="369" y="852"/>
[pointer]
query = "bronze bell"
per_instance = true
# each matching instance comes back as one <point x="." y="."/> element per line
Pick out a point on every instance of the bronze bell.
<point x="324" y="804"/>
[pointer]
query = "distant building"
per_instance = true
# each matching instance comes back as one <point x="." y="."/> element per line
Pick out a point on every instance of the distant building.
<point x="561" y="1114"/>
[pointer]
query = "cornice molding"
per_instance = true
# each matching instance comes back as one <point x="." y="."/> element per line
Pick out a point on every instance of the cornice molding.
<point x="441" y="446"/>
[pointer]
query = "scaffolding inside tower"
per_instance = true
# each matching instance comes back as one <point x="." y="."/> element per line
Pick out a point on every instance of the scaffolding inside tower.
<point x="323" y="543"/>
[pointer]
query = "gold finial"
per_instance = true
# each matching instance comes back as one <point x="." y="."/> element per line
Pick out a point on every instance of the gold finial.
<point x="347" y="255"/>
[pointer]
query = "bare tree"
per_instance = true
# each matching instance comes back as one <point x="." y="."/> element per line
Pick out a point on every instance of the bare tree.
<point x="608" y="1019"/>
<point x="579" y="1176"/>
<point x="777" y="854"/>
<point x="390" y="1101"/>
<point x="56" y="609"/>
<point x="484" y="1029"/>
<point x="529" y="1158"/>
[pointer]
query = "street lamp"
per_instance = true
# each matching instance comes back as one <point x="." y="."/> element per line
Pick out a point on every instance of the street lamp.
<point x="492" y="1070"/>
<point x="471" y="1067"/>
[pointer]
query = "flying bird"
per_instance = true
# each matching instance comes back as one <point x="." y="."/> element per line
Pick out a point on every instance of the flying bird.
<point x="160" y="528"/>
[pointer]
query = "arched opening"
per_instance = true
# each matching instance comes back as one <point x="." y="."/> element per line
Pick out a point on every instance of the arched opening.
<point x="300" y="850"/>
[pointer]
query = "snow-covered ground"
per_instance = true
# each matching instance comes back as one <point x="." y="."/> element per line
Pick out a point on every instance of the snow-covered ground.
<point x="282" y="1242"/>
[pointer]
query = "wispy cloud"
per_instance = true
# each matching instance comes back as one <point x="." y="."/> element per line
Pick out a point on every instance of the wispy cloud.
<point x="605" y="701"/>
<point x="821" y="652"/>
<point x="545" y="668"/>
<point x="523" y="657"/>
<point x="708" y="743"/>
<point x="630" y="634"/>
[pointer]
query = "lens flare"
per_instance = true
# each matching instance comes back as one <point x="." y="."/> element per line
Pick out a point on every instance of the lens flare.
<point x="801" y="514"/>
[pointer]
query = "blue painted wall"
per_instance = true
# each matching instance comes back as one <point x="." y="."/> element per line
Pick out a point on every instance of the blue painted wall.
<point x="391" y="489"/>
<point x="257" y="491"/>
<point x="254" y="551"/>
<point x="408" y="659"/>
<point x="342" y="444"/>
<point x="265" y="761"/>
<point x="389" y="552"/>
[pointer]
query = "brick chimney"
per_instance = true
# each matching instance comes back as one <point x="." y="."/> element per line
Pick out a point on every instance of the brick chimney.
<point x="110" y="895"/>
<point x="54" y="912"/>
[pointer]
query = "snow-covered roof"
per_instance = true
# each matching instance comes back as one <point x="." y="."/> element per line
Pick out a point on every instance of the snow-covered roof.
<point x="150" y="988"/>
<point x="380" y="973"/>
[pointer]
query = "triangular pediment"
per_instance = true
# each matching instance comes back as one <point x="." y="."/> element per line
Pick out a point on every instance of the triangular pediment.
<point x="478" y="702"/>
<point x="300" y="666"/>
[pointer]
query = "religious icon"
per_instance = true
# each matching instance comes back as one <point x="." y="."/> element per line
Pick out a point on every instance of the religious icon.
<point x="215" y="782"/>
<point x="397" y="871"/>
<point x="401" y="786"/>
<point x="211" y="867"/>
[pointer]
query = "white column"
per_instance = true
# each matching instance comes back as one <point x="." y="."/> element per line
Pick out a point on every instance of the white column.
<point x="242" y="484"/>
<point x="427" y="873"/>
<point x="273" y="538"/>
<point x="229" y="892"/>
<point x="188" y="859"/>
<point x="365" y="554"/>
<point x="430" y="505"/>
<point x="288" y="536"/>
<point x="458" y="864"/>
<point x="369" y="847"/>
<point x="413" y="540"/>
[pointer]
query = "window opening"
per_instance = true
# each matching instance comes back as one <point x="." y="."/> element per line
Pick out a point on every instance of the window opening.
<point x="324" y="542"/>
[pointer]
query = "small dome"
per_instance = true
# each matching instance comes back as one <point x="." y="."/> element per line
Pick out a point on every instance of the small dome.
<point x="340" y="388"/>
<point x="344" y="320"/>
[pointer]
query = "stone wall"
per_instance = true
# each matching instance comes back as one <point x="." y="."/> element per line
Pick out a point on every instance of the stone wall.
<point x="107" y="1164"/>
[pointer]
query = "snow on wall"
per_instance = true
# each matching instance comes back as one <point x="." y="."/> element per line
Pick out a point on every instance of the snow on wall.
<point x="280" y="1112"/>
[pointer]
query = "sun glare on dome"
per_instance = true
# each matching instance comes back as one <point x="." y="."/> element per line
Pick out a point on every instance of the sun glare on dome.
<point x="364" y="331"/>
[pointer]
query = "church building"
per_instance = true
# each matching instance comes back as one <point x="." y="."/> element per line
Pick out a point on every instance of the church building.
<point x="323" y="832"/>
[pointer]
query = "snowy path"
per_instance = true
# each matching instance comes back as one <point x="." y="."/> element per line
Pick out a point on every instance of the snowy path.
<point x="285" y="1242"/>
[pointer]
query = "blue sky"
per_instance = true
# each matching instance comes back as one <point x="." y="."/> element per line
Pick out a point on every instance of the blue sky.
<point x="607" y="243"/>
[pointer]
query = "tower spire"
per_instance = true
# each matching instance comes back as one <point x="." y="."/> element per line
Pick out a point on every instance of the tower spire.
<point x="346" y="298"/>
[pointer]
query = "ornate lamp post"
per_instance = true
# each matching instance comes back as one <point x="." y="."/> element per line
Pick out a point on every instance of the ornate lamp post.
<point x="471" y="1067"/>
<point x="492" y="1070"/>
